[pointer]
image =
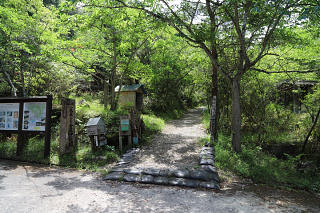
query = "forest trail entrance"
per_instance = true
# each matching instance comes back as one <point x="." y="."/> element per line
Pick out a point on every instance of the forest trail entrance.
<point x="176" y="147"/>
<point x="173" y="158"/>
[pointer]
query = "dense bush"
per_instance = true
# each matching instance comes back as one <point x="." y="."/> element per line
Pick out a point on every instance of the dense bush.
<point x="253" y="163"/>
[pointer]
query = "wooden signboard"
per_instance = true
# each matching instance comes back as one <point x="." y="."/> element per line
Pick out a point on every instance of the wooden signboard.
<point x="26" y="115"/>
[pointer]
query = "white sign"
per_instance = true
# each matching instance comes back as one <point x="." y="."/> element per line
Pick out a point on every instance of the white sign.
<point x="9" y="116"/>
<point x="34" y="116"/>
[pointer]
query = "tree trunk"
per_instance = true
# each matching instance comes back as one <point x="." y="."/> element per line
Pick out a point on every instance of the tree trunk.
<point x="113" y="74"/>
<point x="310" y="131"/>
<point x="13" y="88"/>
<point x="214" y="113"/>
<point x="22" y="81"/>
<point x="105" y="93"/>
<point x="236" y="116"/>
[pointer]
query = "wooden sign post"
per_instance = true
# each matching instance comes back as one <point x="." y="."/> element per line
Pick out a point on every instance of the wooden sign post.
<point x="124" y="130"/>
<point x="67" y="141"/>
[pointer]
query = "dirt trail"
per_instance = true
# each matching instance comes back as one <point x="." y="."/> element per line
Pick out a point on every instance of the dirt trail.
<point x="176" y="147"/>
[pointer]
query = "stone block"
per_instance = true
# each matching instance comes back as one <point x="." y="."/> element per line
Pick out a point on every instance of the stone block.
<point x="201" y="174"/>
<point x="133" y="171"/>
<point x="204" y="161"/>
<point x="210" y="185"/>
<point x="151" y="171"/>
<point x="182" y="173"/>
<point x="161" y="180"/>
<point x="114" y="176"/>
<point x="132" y="178"/>
<point x="147" y="179"/>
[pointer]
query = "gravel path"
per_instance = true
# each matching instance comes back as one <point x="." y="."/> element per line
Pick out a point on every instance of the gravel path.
<point x="176" y="147"/>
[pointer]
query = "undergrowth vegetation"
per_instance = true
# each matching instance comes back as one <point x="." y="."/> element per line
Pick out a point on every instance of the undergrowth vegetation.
<point x="255" y="163"/>
<point x="261" y="167"/>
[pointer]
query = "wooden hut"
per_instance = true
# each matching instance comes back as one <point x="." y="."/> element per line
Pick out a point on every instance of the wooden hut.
<point x="131" y="94"/>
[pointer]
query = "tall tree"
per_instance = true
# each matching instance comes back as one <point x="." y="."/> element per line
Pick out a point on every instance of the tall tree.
<point x="106" y="42"/>
<point x="235" y="35"/>
<point x="25" y="27"/>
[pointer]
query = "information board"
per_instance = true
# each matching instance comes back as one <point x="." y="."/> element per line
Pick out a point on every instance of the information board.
<point x="9" y="116"/>
<point x="26" y="116"/>
<point x="34" y="116"/>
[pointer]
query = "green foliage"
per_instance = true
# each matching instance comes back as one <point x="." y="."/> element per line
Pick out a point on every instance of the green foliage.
<point x="8" y="148"/>
<point x="88" y="106"/>
<point x="85" y="159"/>
<point x="311" y="102"/>
<point x="152" y="123"/>
<point x="253" y="163"/>
<point x="82" y="158"/>
<point x="206" y="119"/>
<point x="169" y="79"/>
<point x="26" y="27"/>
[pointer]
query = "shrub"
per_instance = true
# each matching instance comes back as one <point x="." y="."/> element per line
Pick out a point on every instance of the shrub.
<point x="263" y="168"/>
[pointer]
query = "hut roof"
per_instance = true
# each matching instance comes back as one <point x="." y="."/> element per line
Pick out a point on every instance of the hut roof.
<point x="298" y="82"/>
<point x="94" y="121"/>
<point x="291" y="85"/>
<point x="130" y="88"/>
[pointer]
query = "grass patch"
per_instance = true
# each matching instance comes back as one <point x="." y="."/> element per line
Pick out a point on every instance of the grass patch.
<point x="8" y="148"/>
<point x="263" y="168"/>
<point x="82" y="158"/>
<point x="153" y="125"/>
<point x="206" y="119"/>
<point x="171" y="114"/>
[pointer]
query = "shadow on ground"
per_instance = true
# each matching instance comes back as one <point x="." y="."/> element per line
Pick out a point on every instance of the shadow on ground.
<point x="179" y="153"/>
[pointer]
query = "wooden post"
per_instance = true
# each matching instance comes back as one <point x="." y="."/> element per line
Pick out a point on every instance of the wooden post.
<point x="126" y="132"/>
<point x="20" y="133"/>
<point x="120" y="140"/>
<point x="130" y="141"/>
<point x="67" y="140"/>
<point x="93" y="145"/>
<point x="48" y="127"/>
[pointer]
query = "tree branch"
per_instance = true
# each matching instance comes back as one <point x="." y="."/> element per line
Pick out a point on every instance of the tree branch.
<point x="285" y="71"/>
<point x="271" y="28"/>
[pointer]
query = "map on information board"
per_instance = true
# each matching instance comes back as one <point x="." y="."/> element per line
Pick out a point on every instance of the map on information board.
<point x="34" y="116"/>
<point x="9" y="116"/>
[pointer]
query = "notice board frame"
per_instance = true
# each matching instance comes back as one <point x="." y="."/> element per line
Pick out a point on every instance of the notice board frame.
<point x="22" y="133"/>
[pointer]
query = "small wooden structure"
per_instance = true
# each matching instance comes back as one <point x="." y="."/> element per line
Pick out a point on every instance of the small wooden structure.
<point x="96" y="130"/>
<point x="132" y="124"/>
<point x="131" y="94"/>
